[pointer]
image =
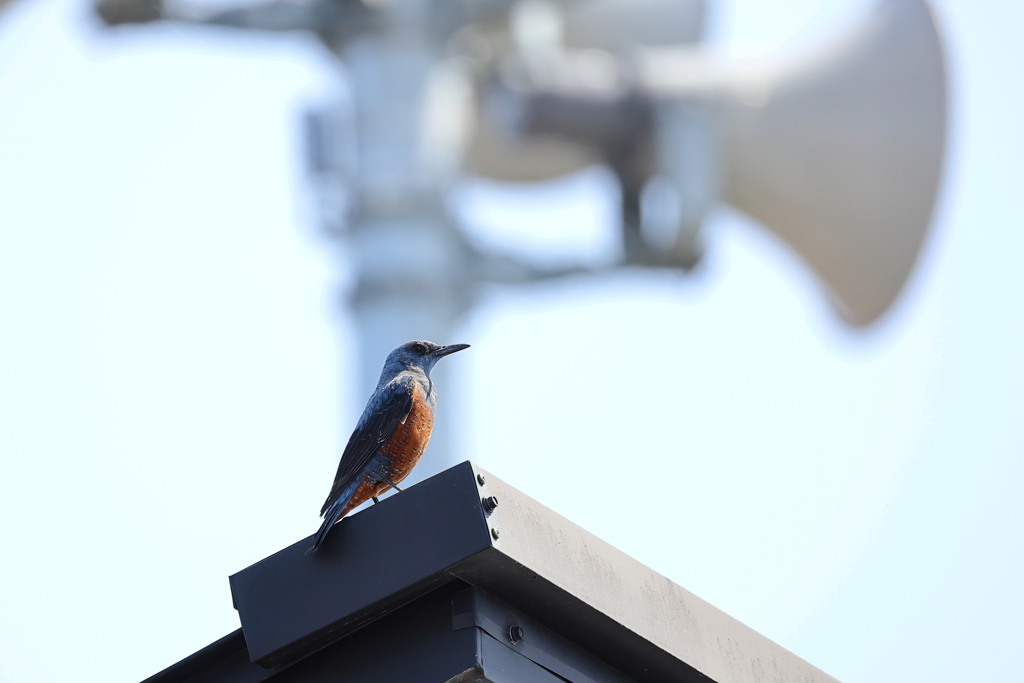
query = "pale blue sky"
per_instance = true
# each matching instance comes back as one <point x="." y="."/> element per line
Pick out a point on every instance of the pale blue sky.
<point x="174" y="382"/>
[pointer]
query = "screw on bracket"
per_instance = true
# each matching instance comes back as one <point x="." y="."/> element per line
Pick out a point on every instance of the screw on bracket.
<point x="515" y="634"/>
<point x="480" y="479"/>
<point x="494" y="534"/>
<point x="490" y="502"/>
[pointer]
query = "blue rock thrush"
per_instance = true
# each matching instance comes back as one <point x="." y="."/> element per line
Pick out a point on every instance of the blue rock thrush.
<point x="392" y="433"/>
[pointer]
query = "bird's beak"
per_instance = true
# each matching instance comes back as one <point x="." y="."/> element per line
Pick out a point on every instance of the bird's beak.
<point x="450" y="349"/>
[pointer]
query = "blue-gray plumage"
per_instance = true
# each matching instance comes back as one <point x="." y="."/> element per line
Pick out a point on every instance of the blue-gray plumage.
<point x="391" y="434"/>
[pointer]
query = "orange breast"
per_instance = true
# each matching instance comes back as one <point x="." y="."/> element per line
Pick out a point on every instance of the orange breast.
<point x="404" y="448"/>
<point x="410" y="439"/>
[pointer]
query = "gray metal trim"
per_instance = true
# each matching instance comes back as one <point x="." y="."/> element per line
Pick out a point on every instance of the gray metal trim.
<point x="608" y="603"/>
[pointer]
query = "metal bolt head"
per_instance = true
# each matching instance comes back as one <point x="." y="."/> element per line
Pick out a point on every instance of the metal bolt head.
<point x="494" y="534"/>
<point x="489" y="503"/>
<point x="515" y="634"/>
<point x="480" y="479"/>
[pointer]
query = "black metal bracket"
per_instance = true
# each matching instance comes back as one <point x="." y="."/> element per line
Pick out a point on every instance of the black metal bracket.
<point x="472" y="607"/>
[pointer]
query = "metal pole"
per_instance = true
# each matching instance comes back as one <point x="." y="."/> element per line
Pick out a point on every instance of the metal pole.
<point x="410" y="261"/>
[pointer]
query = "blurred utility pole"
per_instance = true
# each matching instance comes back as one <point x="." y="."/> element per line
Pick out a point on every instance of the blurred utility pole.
<point x="839" y="154"/>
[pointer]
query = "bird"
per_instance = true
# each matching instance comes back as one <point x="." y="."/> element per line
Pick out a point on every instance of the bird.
<point x="391" y="434"/>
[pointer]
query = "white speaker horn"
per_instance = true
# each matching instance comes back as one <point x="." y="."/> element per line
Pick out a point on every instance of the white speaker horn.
<point x="841" y="156"/>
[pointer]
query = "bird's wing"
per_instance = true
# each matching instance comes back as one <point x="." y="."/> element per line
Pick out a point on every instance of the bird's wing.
<point x="385" y="411"/>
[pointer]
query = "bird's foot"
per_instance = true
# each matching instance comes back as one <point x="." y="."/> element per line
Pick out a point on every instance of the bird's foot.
<point x="392" y="484"/>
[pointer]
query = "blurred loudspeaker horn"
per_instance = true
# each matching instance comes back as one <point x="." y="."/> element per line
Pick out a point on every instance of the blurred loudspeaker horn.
<point x="621" y="25"/>
<point x="841" y="156"/>
<point x="593" y="30"/>
<point x="494" y="153"/>
<point x="117" y="12"/>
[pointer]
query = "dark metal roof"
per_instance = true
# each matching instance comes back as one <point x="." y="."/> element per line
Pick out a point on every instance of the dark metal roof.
<point x="590" y="614"/>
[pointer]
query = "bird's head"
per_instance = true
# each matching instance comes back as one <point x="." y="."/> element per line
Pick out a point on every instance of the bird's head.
<point x="421" y="354"/>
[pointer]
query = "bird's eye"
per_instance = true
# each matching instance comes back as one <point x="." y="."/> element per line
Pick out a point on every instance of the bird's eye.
<point x="419" y="348"/>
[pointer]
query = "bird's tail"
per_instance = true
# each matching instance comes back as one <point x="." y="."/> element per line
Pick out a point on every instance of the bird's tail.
<point x="331" y="516"/>
<point x="321" y="533"/>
